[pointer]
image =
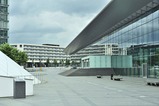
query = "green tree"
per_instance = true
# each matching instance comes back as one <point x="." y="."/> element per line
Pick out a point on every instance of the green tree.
<point x="18" y="56"/>
<point x="67" y="62"/>
<point x="47" y="62"/>
<point x="22" y="58"/>
<point x="8" y="50"/>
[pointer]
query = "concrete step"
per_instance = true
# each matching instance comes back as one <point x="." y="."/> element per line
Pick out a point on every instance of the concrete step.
<point x="88" y="72"/>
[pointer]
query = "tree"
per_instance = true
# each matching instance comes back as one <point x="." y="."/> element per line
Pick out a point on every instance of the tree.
<point x="22" y="58"/>
<point x="47" y="62"/>
<point x="67" y="62"/>
<point x="18" y="56"/>
<point x="8" y="50"/>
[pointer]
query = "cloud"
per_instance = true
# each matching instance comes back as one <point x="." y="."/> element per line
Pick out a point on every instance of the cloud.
<point x="51" y="21"/>
<point x="66" y="6"/>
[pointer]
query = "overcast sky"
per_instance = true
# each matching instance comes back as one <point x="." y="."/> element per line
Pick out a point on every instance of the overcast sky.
<point x="50" y="21"/>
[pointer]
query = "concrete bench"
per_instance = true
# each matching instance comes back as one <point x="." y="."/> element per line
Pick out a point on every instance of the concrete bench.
<point x="152" y="81"/>
<point x="99" y="76"/>
<point x="117" y="78"/>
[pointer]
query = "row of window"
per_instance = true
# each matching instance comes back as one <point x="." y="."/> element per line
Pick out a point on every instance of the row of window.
<point x="3" y="17"/>
<point x="44" y="48"/>
<point x="3" y="41"/>
<point x="34" y="57"/>
<point x="43" y="52"/>
<point x="60" y="54"/>
<point x="3" y="10"/>
<point x="4" y="2"/>
<point x="3" y="24"/>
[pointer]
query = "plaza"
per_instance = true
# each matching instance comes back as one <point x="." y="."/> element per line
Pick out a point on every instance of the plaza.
<point x="87" y="91"/>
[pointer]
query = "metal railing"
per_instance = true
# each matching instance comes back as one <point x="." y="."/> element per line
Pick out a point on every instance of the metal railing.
<point x="37" y="77"/>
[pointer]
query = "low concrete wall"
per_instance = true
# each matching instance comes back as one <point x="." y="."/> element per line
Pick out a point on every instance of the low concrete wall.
<point x="88" y="72"/>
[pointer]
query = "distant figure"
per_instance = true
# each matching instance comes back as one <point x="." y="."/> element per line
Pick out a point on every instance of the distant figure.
<point x="111" y="76"/>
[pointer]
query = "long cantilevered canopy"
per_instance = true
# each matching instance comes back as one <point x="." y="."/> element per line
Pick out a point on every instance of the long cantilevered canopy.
<point x="116" y="14"/>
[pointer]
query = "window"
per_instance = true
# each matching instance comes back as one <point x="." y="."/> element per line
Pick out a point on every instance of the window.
<point x="155" y="14"/>
<point x="3" y="1"/>
<point x="155" y="24"/>
<point x="156" y="36"/>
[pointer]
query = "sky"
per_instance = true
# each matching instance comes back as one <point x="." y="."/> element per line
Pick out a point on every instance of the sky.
<point x="50" y="21"/>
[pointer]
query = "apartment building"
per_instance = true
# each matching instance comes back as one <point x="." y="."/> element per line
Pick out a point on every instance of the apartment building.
<point x="96" y="49"/>
<point x="40" y="54"/>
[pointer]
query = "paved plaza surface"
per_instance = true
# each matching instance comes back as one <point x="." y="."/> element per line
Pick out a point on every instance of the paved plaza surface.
<point x="88" y="91"/>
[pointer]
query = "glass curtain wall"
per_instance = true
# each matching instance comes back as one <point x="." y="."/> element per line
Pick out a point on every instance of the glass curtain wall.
<point x="141" y="40"/>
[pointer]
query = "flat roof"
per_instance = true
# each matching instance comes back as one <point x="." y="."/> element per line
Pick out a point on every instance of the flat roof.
<point x="116" y="14"/>
<point x="51" y="44"/>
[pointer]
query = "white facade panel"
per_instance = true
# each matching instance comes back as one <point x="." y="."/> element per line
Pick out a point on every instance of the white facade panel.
<point x="29" y="87"/>
<point x="120" y="61"/>
<point x="6" y="89"/>
<point x="103" y="61"/>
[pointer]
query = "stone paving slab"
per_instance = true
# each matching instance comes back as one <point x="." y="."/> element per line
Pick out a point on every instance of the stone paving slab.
<point x="88" y="91"/>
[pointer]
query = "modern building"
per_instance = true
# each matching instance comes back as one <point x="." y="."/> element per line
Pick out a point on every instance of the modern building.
<point x="91" y="50"/>
<point x="41" y="53"/>
<point x="3" y="21"/>
<point x="96" y="49"/>
<point x="134" y="26"/>
<point x="38" y="55"/>
<point x="107" y="61"/>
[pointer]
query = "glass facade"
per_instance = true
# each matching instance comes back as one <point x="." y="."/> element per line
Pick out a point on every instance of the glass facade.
<point x="140" y="39"/>
<point x="3" y="21"/>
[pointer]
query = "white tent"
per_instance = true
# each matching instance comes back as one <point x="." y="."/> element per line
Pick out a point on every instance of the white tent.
<point x="10" y="68"/>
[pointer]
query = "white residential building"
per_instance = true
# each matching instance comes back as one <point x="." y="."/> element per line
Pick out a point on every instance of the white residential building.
<point x="97" y="49"/>
<point x="112" y="49"/>
<point x="38" y="54"/>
